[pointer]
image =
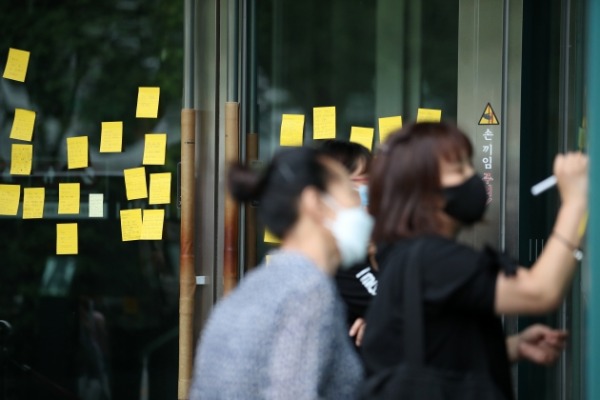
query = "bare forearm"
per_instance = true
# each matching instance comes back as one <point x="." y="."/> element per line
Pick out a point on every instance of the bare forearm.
<point x="555" y="267"/>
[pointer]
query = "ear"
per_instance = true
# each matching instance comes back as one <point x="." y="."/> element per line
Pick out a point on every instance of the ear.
<point x="311" y="204"/>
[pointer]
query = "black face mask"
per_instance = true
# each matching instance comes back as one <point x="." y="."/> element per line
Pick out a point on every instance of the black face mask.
<point x="466" y="202"/>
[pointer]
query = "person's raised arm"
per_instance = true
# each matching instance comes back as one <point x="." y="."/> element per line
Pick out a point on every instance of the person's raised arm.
<point x="540" y="289"/>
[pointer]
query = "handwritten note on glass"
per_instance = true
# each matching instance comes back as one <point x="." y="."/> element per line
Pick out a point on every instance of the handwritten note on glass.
<point x="22" y="128"/>
<point x="33" y="203"/>
<point x="96" y="205"/>
<point x="111" y="137"/>
<point x="147" y="104"/>
<point x="135" y="183"/>
<point x="429" y="115"/>
<point x="131" y="224"/>
<point x="152" y="224"/>
<point x="160" y="188"/>
<point x="324" y="123"/>
<point x="155" y="146"/>
<point x="16" y="65"/>
<point x="68" y="198"/>
<point x="388" y="125"/>
<point x="77" y="152"/>
<point x="21" y="159"/>
<point x="362" y="135"/>
<point x="292" y="130"/>
<point x="66" y="238"/>
<point x="9" y="199"/>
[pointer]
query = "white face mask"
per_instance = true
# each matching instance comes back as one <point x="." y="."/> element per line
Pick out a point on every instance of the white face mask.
<point x="351" y="229"/>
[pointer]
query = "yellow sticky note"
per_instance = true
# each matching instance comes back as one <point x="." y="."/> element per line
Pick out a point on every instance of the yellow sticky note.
<point x="388" y="125"/>
<point x="429" y="115"/>
<point x="152" y="224"/>
<point x="292" y="130"/>
<point x="271" y="238"/>
<point x="66" y="238"/>
<point x="68" y="198"/>
<point x="362" y="136"/>
<point x="324" y="123"/>
<point x="16" y="65"/>
<point x="33" y="203"/>
<point x="9" y="199"/>
<point x="22" y="128"/>
<point x="135" y="183"/>
<point x="131" y="224"/>
<point x="111" y="137"/>
<point x="160" y="188"/>
<point x="147" y="103"/>
<point x="155" y="146"/>
<point x="21" y="156"/>
<point x="77" y="152"/>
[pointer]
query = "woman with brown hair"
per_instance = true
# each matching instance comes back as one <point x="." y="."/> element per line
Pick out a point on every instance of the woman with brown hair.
<point x="423" y="190"/>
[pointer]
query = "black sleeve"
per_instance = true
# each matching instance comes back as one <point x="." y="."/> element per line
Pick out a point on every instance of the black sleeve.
<point x="459" y="277"/>
<point x="356" y="286"/>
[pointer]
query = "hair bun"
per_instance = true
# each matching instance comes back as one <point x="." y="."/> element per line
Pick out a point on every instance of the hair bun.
<point x="245" y="184"/>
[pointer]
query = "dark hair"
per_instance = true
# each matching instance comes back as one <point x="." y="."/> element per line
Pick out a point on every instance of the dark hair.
<point x="279" y="187"/>
<point x="405" y="190"/>
<point x="349" y="154"/>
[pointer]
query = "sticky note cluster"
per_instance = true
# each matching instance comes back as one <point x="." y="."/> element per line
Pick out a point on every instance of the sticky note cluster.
<point x="138" y="224"/>
<point x="324" y="126"/>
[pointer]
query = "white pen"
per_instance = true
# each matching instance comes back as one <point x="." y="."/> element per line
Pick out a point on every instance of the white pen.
<point x="544" y="185"/>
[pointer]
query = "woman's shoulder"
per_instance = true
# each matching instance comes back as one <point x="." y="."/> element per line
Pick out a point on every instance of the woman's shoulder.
<point x="432" y="246"/>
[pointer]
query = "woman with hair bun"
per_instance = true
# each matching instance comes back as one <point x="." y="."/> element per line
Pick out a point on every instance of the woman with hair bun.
<point x="281" y="333"/>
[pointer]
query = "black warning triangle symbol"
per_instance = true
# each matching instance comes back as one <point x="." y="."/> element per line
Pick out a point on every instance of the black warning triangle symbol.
<point x="489" y="116"/>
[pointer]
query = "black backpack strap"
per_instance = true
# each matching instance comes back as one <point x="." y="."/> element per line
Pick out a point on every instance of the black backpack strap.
<point x="414" y="339"/>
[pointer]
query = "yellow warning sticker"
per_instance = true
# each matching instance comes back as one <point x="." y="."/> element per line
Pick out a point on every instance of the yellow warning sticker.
<point x="489" y="116"/>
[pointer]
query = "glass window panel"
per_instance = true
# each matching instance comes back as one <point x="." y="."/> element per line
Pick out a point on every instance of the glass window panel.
<point x="90" y="324"/>
<point x="369" y="59"/>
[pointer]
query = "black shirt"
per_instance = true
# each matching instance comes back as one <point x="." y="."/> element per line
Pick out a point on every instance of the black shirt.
<point x="357" y="286"/>
<point x="462" y="331"/>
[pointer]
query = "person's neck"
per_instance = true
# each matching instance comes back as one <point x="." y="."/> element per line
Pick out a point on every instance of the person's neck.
<point x="311" y="242"/>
